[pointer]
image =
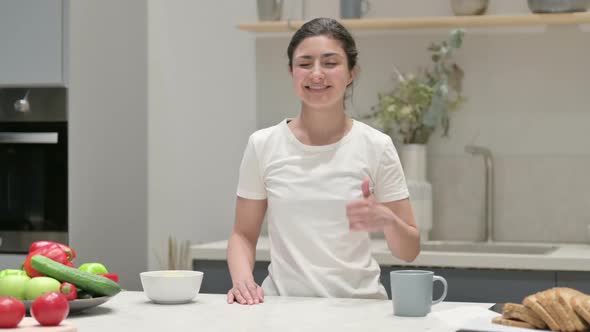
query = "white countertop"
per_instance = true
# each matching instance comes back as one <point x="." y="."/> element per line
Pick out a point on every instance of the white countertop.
<point x="567" y="257"/>
<point x="132" y="311"/>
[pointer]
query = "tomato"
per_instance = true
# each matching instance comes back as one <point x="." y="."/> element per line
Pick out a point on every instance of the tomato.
<point x="50" y="309"/>
<point x="12" y="312"/>
<point x="69" y="291"/>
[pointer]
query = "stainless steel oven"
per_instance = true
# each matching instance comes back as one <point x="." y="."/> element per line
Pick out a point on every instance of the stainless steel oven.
<point x="33" y="183"/>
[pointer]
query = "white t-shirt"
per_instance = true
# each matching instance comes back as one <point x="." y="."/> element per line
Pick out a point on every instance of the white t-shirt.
<point x="312" y="250"/>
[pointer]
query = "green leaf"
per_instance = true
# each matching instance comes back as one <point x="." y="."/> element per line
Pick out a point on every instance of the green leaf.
<point x="435" y="111"/>
<point x="456" y="78"/>
<point x="456" y="39"/>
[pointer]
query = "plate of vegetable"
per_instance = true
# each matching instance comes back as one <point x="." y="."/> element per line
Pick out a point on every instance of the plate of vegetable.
<point x="84" y="290"/>
<point x="78" y="305"/>
<point x="48" y="268"/>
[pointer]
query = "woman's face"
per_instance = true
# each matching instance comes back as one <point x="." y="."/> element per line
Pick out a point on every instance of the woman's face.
<point x="320" y="71"/>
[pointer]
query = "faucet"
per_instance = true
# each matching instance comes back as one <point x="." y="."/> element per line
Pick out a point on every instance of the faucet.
<point x="489" y="186"/>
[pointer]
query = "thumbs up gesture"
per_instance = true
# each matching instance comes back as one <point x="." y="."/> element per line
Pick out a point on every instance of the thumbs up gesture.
<point x="367" y="214"/>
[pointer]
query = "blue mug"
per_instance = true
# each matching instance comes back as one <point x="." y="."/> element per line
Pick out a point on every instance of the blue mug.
<point x="411" y="292"/>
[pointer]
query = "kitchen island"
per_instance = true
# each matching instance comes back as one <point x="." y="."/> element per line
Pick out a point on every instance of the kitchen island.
<point x="133" y="311"/>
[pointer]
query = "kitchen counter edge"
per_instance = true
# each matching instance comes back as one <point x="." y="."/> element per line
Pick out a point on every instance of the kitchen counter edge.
<point x="567" y="257"/>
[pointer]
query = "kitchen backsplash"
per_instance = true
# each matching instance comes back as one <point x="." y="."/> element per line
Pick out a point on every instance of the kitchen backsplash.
<point x="537" y="198"/>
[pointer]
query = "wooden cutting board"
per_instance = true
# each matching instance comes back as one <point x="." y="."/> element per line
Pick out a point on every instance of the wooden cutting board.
<point x="29" y="324"/>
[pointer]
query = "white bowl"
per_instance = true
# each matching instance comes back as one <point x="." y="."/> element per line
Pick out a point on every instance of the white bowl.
<point x="171" y="286"/>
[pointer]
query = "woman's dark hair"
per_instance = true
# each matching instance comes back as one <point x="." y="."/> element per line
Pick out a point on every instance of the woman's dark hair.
<point x="325" y="27"/>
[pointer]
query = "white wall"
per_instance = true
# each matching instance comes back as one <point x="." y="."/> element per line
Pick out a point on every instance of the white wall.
<point x="201" y="111"/>
<point x="108" y="135"/>
<point x="528" y="100"/>
<point x="198" y="108"/>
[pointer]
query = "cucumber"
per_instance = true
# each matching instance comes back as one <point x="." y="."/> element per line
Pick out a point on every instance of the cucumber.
<point x="83" y="295"/>
<point x="90" y="282"/>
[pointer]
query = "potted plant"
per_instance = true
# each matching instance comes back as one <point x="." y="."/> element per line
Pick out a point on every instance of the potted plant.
<point x="419" y="103"/>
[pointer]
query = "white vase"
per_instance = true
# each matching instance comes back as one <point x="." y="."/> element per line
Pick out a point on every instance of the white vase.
<point x="413" y="159"/>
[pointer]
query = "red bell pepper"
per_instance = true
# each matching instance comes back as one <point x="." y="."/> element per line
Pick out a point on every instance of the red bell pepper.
<point x="113" y="276"/>
<point x="53" y="251"/>
<point x="40" y="244"/>
<point x="68" y="290"/>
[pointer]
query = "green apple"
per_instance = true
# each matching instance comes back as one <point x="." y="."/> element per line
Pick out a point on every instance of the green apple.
<point x="39" y="286"/>
<point x="14" y="286"/>
<point x="94" y="268"/>
<point x="12" y="272"/>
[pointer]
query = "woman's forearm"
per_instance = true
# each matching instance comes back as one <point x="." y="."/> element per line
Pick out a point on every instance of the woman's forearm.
<point x="402" y="239"/>
<point x="241" y="255"/>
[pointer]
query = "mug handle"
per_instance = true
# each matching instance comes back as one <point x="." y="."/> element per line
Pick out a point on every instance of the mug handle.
<point x="444" y="294"/>
<point x="365" y="7"/>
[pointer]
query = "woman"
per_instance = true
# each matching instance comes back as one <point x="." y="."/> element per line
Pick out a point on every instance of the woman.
<point x="323" y="181"/>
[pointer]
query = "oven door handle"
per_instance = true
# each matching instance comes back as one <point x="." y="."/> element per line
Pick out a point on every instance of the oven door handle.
<point x="28" y="138"/>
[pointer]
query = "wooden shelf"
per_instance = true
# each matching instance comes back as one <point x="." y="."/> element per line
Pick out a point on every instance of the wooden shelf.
<point x="432" y="22"/>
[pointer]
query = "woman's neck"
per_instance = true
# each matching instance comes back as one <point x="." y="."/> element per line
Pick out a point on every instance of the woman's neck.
<point x="320" y="126"/>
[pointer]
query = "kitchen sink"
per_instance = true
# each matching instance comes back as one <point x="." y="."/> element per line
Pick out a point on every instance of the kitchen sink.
<point x="488" y="248"/>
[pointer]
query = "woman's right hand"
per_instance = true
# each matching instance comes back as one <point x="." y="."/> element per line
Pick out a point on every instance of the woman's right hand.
<point x="245" y="292"/>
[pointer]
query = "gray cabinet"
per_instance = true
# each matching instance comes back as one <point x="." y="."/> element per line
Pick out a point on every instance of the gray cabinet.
<point x="31" y="35"/>
<point x="489" y="285"/>
<point x="217" y="279"/>
<point x="573" y="279"/>
<point x="465" y="285"/>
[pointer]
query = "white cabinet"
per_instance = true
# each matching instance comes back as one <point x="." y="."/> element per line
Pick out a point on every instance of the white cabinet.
<point x="31" y="43"/>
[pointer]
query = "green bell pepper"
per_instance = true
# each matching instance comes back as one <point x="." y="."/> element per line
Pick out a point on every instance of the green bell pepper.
<point x="94" y="268"/>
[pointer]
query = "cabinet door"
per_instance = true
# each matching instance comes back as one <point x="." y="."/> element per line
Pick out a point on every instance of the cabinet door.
<point x="217" y="279"/>
<point x="483" y="285"/>
<point x="576" y="280"/>
<point x="385" y="278"/>
<point x="31" y="35"/>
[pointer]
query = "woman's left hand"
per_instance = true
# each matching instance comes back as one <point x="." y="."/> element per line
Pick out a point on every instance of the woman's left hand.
<point x="367" y="214"/>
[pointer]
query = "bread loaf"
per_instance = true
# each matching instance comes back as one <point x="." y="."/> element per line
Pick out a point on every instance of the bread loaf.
<point x="522" y="313"/>
<point x="581" y="305"/>
<point x="559" y="309"/>
<point x="565" y="296"/>
<point x="511" y="322"/>
<point x="533" y="302"/>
